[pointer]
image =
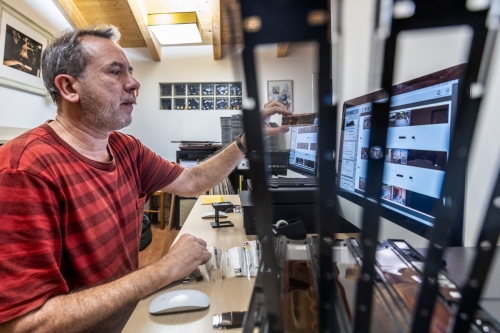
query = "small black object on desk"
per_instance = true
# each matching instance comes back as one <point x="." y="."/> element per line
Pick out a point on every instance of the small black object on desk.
<point x="221" y="206"/>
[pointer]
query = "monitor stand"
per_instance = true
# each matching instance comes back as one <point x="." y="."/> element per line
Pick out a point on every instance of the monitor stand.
<point x="219" y="224"/>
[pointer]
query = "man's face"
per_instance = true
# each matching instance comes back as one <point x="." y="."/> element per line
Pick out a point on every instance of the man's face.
<point x="107" y="87"/>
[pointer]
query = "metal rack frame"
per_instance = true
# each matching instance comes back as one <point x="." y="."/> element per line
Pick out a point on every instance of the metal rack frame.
<point x="306" y="21"/>
<point x="297" y="21"/>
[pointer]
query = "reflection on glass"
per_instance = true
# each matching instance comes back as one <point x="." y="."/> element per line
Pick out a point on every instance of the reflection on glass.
<point x="194" y="103"/>
<point x="222" y="89"/>
<point x="166" y="89"/>
<point x="166" y="104"/>
<point x="235" y="103"/>
<point x="207" y="103"/>
<point x="180" y="103"/>
<point x="222" y="103"/>
<point x="207" y="88"/>
<point x="193" y="89"/>
<point x="180" y="89"/>
<point x="235" y="89"/>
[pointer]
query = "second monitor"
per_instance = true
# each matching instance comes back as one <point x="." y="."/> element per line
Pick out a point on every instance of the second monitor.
<point x="303" y="146"/>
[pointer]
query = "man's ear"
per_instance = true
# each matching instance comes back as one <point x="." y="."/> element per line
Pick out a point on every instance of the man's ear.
<point x="69" y="87"/>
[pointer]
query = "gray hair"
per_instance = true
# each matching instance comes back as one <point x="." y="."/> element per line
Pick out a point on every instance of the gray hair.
<point x="65" y="55"/>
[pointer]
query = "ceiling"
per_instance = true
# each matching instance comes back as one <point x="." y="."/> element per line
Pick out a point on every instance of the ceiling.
<point x="130" y="16"/>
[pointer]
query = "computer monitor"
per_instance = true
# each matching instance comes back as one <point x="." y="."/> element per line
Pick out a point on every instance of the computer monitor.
<point x="421" y="119"/>
<point x="303" y="146"/>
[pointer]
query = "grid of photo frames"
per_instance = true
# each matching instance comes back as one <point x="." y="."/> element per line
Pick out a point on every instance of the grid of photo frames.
<point x="201" y="96"/>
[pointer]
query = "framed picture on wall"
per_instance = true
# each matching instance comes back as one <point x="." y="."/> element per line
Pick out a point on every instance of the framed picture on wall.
<point x="281" y="91"/>
<point x="22" y="42"/>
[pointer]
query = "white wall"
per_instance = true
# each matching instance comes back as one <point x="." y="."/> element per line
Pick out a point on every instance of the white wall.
<point x="157" y="128"/>
<point x="19" y="108"/>
<point x="179" y="64"/>
<point x="419" y="54"/>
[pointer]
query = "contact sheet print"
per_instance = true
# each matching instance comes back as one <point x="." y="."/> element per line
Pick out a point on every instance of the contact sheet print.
<point x="240" y="261"/>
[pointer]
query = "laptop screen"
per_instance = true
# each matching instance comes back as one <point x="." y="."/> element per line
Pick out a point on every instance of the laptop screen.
<point x="303" y="145"/>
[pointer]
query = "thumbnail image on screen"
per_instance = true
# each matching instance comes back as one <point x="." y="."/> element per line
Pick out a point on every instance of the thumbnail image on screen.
<point x="303" y="143"/>
<point x="417" y="146"/>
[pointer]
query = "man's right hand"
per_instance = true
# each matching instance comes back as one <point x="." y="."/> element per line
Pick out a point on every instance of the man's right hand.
<point x="110" y="303"/>
<point x="184" y="257"/>
<point x="271" y="108"/>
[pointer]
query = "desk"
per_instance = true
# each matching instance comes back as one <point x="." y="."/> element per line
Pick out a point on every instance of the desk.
<point x="229" y="295"/>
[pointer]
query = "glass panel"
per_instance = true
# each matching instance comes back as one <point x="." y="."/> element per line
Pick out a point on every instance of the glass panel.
<point x="235" y="89"/>
<point x="231" y="91"/>
<point x="166" y="104"/>
<point x="194" y="103"/>
<point x="207" y="88"/>
<point x="235" y="103"/>
<point x="180" y="103"/>
<point x="222" y="89"/>
<point x="180" y="89"/>
<point x="194" y="89"/>
<point x="222" y="103"/>
<point x="165" y="89"/>
<point x="207" y="103"/>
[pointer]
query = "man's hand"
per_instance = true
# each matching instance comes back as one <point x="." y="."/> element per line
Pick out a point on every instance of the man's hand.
<point x="272" y="108"/>
<point x="106" y="307"/>
<point x="184" y="257"/>
<point x="211" y="172"/>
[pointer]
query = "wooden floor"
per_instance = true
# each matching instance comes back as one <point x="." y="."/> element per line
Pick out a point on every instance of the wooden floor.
<point x="162" y="240"/>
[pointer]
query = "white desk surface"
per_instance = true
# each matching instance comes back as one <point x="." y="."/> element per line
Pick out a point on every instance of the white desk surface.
<point x="232" y="294"/>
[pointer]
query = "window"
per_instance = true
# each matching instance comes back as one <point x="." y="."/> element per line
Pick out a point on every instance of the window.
<point x="201" y="96"/>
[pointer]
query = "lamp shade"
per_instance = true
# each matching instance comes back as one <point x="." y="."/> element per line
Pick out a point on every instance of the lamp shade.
<point x="175" y="28"/>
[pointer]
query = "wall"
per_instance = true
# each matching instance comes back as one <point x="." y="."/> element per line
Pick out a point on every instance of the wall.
<point x="19" y="108"/>
<point x="419" y="54"/>
<point x="157" y="128"/>
<point x="179" y="64"/>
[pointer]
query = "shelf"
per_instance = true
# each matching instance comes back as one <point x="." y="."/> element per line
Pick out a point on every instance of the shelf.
<point x="161" y="209"/>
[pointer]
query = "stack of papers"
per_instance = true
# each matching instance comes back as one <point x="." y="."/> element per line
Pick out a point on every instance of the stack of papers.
<point x="209" y="199"/>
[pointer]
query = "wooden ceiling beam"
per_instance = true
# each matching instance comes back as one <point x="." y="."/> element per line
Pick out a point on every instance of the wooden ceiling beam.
<point x="139" y="9"/>
<point x="216" y="29"/>
<point x="282" y="49"/>
<point x="71" y="12"/>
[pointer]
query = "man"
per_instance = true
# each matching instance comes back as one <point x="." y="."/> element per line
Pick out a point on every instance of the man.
<point x="72" y="192"/>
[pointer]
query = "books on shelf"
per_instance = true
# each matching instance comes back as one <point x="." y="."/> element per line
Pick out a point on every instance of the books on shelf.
<point x="223" y="188"/>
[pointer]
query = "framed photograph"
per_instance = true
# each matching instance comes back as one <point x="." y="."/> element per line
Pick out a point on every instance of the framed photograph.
<point x="21" y="45"/>
<point x="281" y="91"/>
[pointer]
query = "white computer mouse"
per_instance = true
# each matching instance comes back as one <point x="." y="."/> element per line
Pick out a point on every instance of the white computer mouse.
<point x="178" y="301"/>
<point x="211" y="215"/>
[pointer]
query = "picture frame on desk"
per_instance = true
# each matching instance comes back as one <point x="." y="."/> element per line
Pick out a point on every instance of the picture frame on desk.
<point x="281" y="91"/>
<point x="22" y="42"/>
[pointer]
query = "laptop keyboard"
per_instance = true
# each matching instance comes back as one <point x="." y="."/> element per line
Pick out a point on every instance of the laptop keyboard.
<point x="291" y="182"/>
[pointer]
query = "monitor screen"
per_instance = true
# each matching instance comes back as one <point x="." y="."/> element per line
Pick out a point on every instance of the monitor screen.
<point x="418" y="142"/>
<point x="303" y="145"/>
